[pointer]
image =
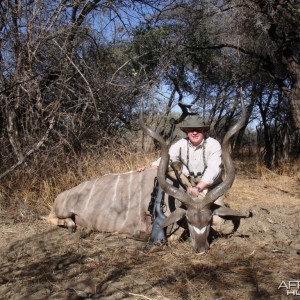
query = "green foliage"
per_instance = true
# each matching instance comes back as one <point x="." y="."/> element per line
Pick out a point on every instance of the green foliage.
<point x="150" y="45"/>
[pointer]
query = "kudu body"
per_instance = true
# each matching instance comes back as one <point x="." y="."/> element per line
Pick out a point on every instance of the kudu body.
<point x="198" y="213"/>
<point x="110" y="203"/>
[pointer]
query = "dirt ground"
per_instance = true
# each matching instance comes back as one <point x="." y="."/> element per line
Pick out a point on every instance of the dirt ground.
<point x="40" y="261"/>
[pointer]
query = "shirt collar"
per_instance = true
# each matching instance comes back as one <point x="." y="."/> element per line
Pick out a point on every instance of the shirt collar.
<point x="200" y="146"/>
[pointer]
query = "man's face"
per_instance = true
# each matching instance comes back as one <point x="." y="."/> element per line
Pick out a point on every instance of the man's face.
<point x="195" y="135"/>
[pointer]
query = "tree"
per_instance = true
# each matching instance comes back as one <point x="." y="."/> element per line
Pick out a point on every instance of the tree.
<point x="62" y="72"/>
<point x="245" y="43"/>
<point x="267" y="34"/>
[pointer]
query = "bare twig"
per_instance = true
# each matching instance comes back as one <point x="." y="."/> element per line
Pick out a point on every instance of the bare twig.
<point x="120" y="68"/>
<point x="83" y="77"/>
<point x="31" y="151"/>
<point x="139" y="296"/>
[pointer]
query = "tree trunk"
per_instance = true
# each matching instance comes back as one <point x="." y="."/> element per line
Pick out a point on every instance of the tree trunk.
<point x="294" y="92"/>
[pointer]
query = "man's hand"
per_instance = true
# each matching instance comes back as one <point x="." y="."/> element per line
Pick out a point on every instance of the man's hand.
<point x="143" y="168"/>
<point x="193" y="191"/>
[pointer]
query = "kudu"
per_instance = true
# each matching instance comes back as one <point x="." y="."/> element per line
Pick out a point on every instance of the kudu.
<point x="110" y="203"/>
<point x="198" y="213"/>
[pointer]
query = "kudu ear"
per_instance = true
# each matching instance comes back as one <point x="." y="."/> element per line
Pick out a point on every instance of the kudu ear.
<point x="223" y="211"/>
<point x="175" y="216"/>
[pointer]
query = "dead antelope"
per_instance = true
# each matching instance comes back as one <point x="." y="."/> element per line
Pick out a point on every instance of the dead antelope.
<point x="198" y="213"/>
<point x="111" y="203"/>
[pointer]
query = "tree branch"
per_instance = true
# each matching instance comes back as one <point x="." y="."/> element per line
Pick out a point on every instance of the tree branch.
<point x="36" y="147"/>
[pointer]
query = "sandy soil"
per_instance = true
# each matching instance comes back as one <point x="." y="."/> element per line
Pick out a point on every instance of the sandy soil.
<point x="40" y="261"/>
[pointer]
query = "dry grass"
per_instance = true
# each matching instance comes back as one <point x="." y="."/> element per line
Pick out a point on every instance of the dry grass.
<point x="27" y="188"/>
<point x="254" y="180"/>
<point x="34" y="189"/>
<point x="40" y="261"/>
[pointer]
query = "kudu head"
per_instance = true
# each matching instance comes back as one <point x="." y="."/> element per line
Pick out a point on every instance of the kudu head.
<point x="198" y="213"/>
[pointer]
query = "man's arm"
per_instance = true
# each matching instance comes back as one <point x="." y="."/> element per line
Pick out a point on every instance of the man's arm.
<point x="213" y="170"/>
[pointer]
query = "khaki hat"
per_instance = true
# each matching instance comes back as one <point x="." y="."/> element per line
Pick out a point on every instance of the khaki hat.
<point x="193" y="121"/>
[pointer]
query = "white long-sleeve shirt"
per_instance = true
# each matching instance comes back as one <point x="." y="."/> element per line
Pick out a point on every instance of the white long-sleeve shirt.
<point x="207" y="164"/>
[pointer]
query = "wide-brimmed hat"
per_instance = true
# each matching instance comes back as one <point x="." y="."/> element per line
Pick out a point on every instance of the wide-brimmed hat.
<point x="193" y="121"/>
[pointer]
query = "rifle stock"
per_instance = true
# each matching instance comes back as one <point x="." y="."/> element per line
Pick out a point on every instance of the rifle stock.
<point x="158" y="234"/>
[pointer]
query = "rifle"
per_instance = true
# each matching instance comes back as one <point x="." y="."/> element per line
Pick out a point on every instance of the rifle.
<point x="158" y="234"/>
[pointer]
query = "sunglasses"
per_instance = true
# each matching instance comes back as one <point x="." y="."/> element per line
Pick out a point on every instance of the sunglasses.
<point x="195" y="129"/>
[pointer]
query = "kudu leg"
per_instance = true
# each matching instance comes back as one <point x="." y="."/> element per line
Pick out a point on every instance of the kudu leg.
<point x="65" y="222"/>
